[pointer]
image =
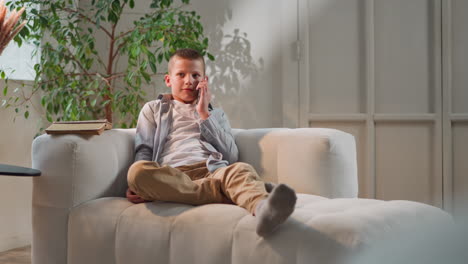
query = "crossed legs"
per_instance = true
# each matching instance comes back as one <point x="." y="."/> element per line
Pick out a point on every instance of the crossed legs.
<point x="193" y="184"/>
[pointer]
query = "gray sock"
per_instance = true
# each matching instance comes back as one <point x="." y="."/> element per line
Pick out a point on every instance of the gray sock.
<point x="274" y="210"/>
<point x="269" y="186"/>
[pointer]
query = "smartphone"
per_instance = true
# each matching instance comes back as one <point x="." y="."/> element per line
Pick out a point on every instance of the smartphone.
<point x="198" y="91"/>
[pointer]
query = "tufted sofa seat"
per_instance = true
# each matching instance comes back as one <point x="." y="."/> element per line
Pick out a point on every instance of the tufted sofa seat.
<point x="80" y="214"/>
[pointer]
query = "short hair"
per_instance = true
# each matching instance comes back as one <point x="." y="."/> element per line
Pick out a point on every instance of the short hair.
<point x="190" y="54"/>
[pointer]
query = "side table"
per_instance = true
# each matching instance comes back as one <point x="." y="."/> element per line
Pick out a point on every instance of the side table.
<point x="10" y="170"/>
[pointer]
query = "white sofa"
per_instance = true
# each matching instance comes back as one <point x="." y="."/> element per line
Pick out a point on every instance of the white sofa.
<point x="80" y="214"/>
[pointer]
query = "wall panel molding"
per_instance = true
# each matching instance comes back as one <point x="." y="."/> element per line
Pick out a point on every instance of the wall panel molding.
<point x="415" y="101"/>
<point x="447" y="104"/>
<point x="455" y="113"/>
<point x="370" y="96"/>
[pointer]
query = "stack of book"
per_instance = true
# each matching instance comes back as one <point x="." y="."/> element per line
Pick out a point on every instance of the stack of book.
<point x="89" y="127"/>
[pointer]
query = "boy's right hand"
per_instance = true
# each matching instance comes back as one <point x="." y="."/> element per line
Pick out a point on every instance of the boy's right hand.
<point x="133" y="197"/>
<point x="204" y="98"/>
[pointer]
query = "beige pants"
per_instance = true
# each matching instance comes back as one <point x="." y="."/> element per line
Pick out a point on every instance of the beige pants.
<point x="193" y="184"/>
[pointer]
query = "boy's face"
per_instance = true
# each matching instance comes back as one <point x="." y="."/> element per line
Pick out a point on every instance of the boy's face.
<point x="183" y="78"/>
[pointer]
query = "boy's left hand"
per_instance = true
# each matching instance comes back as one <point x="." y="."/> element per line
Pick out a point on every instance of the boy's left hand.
<point x="204" y="98"/>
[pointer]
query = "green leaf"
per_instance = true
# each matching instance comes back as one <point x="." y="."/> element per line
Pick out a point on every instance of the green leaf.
<point x="210" y="56"/>
<point x="88" y="93"/>
<point x="2" y="74"/>
<point x="136" y="51"/>
<point x="132" y="4"/>
<point x="130" y="75"/>
<point x="18" y="40"/>
<point x="116" y="6"/>
<point x="146" y="76"/>
<point x="26" y="114"/>
<point x="143" y="65"/>
<point x="145" y="50"/>
<point x="48" y="117"/>
<point x="151" y="57"/>
<point x="160" y="57"/>
<point x="153" y="67"/>
<point x="69" y="105"/>
<point x="112" y="17"/>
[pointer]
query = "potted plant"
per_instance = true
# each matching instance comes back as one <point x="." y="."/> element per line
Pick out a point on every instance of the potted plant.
<point x="77" y="81"/>
<point x="8" y="25"/>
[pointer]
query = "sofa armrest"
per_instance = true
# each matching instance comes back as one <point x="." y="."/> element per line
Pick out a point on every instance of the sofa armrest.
<point x="75" y="169"/>
<point x="79" y="168"/>
<point x="317" y="161"/>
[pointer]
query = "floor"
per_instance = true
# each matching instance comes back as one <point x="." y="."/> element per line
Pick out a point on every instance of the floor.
<point x="16" y="256"/>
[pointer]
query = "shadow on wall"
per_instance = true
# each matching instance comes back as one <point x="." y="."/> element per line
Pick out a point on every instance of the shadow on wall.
<point x="234" y="73"/>
<point x="233" y="63"/>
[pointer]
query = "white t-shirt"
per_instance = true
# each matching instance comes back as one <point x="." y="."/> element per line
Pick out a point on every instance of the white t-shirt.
<point x="183" y="144"/>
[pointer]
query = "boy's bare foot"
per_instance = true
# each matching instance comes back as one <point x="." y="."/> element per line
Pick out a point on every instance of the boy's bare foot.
<point x="274" y="210"/>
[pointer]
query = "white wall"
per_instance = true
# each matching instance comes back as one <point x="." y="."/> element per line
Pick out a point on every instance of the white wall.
<point x="245" y="78"/>
<point x="15" y="149"/>
<point x="373" y="69"/>
<point x="393" y="74"/>
<point x="255" y="100"/>
<point x="249" y="92"/>
<point x="15" y="192"/>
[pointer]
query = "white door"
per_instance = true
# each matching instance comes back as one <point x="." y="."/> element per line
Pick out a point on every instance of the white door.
<point x="373" y="68"/>
<point x="455" y="105"/>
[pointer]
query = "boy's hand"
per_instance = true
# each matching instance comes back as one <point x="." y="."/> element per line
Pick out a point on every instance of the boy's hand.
<point x="133" y="197"/>
<point x="204" y="98"/>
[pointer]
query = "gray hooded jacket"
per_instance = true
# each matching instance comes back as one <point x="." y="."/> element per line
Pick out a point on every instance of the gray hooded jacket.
<point x="154" y="124"/>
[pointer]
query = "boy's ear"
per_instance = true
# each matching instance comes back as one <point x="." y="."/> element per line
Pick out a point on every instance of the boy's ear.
<point x="167" y="80"/>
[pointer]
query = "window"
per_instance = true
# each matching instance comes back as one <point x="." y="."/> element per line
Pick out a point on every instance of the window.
<point x="18" y="62"/>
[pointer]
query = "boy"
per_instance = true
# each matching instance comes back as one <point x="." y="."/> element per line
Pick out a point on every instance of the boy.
<point x="185" y="152"/>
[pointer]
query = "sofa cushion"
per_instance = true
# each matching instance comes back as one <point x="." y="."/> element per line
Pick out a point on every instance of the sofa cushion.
<point x="318" y="161"/>
<point x="112" y="230"/>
